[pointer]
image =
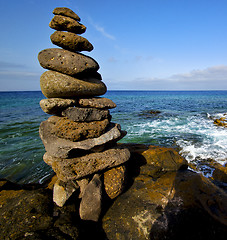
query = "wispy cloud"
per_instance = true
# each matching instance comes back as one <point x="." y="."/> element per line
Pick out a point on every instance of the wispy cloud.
<point x="112" y="59"/>
<point x="212" y="78"/>
<point x="7" y="65"/>
<point x="18" y="74"/>
<point x="215" y="73"/>
<point x="101" y="29"/>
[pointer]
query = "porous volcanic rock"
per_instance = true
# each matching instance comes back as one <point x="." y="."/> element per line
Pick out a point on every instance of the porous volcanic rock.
<point x="67" y="62"/>
<point x="63" y="23"/>
<point x="79" y="167"/>
<point x="66" y="12"/>
<point x="57" y="85"/>
<point x="71" y="41"/>
<point x="85" y="114"/>
<point x="63" y="148"/>
<point x="76" y="131"/>
<point x="115" y="181"/>
<point x="55" y="106"/>
<point x="164" y="208"/>
<point x="24" y="211"/>
<point x="156" y="160"/>
<point x="97" y="102"/>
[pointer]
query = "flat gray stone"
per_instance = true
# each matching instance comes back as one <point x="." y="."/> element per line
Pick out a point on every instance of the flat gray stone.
<point x="63" y="23"/>
<point x="62" y="192"/>
<point x="55" y="106"/>
<point x="66" y="12"/>
<point x="80" y="167"/>
<point x="97" y="102"/>
<point x="85" y="114"/>
<point x="57" y="85"/>
<point x="62" y="148"/>
<point x="90" y="206"/>
<point x="71" y="41"/>
<point x="67" y="62"/>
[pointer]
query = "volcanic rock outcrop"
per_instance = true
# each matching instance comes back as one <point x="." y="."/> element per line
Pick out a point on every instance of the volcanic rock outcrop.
<point x="80" y="139"/>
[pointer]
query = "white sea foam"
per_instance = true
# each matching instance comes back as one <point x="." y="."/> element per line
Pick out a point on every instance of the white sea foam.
<point x="197" y="136"/>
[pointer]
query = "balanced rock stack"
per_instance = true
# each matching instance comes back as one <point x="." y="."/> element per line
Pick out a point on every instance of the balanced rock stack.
<point x="80" y="140"/>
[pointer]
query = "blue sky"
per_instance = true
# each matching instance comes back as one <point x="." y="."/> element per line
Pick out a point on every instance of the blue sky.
<point x="139" y="45"/>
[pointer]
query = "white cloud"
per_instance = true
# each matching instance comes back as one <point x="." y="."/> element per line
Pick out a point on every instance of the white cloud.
<point x="112" y="59"/>
<point x="209" y="74"/>
<point x="101" y="30"/>
<point x="212" y="78"/>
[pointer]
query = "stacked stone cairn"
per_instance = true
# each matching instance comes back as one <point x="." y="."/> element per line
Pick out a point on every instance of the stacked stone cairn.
<point x="80" y="141"/>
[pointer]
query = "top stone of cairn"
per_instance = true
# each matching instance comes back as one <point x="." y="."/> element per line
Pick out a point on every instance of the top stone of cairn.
<point x="63" y="11"/>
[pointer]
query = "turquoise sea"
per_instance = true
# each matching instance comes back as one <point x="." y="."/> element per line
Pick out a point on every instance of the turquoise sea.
<point x="184" y="122"/>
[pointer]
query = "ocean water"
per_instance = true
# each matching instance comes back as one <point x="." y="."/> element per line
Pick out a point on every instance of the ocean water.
<point x="184" y="121"/>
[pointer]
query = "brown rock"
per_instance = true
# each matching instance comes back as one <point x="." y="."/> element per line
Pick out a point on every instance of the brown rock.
<point x="62" y="23"/>
<point x="156" y="160"/>
<point x="67" y="62"/>
<point x="63" y="127"/>
<point x="166" y="207"/>
<point x="90" y="206"/>
<point x="63" y="148"/>
<point x="55" y="106"/>
<point x="222" y="122"/>
<point x="220" y="172"/>
<point x="114" y="181"/>
<point x="80" y="167"/>
<point x="66" y="12"/>
<point x="24" y="211"/>
<point x="85" y="114"/>
<point x="57" y="85"/>
<point x="98" y="102"/>
<point x="71" y="41"/>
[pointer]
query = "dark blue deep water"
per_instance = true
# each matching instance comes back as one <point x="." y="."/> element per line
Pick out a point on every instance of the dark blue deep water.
<point x="184" y="122"/>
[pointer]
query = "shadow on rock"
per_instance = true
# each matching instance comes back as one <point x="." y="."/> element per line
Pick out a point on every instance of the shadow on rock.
<point x="167" y="201"/>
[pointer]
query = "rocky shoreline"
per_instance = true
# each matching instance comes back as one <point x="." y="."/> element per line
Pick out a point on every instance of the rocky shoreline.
<point x="161" y="200"/>
<point x="103" y="189"/>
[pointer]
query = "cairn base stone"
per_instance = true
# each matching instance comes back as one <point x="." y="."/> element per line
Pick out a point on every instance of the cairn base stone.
<point x="80" y="167"/>
<point x="114" y="181"/>
<point x="62" y="192"/>
<point x="90" y="206"/>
